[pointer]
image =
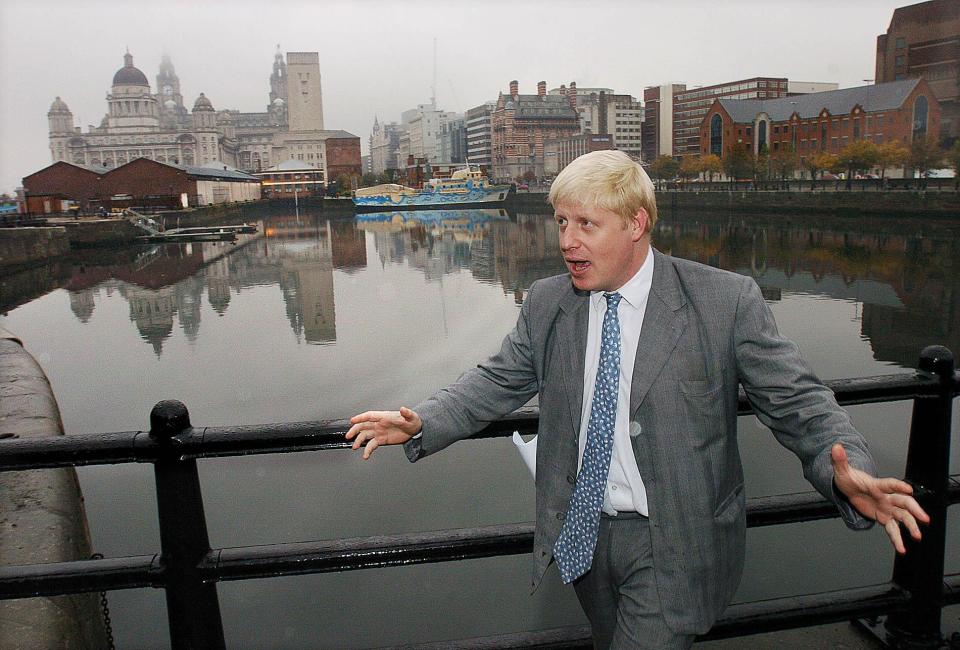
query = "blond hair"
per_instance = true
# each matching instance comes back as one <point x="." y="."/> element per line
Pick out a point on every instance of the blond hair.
<point x="606" y="179"/>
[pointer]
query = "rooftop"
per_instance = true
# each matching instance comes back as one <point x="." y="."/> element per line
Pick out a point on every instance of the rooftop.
<point x="879" y="97"/>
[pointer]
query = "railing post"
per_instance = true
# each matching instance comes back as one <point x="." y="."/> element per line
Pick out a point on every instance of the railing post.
<point x="920" y="571"/>
<point x="193" y="609"/>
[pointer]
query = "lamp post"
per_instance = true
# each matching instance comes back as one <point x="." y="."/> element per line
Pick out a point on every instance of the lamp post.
<point x="867" y="115"/>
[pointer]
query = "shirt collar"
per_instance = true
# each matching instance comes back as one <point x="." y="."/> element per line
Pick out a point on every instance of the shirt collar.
<point x="637" y="289"/>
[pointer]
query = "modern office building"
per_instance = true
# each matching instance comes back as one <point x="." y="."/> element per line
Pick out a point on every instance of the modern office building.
<point x="923" y="40"/>
<point x="657" y="129"/>
<point x="480" y="134"/>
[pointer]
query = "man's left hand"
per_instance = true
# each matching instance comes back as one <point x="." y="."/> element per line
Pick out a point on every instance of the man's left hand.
<point x="885" y="500"/>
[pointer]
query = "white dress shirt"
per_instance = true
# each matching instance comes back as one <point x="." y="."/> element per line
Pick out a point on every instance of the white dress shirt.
<point x="625" y="490"/>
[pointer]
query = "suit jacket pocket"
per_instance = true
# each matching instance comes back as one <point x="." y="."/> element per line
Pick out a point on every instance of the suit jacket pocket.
<point x="693" y="387"/>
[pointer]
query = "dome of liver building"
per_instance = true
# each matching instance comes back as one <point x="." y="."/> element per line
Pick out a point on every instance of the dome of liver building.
<point x="129" y="75"/>
<point x="202" y="104"/>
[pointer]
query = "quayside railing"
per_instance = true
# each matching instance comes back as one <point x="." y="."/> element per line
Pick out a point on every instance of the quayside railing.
<point x="188" y="569"/>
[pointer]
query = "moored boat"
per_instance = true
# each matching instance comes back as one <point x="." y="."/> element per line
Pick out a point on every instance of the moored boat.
<point x="466" y="186"/>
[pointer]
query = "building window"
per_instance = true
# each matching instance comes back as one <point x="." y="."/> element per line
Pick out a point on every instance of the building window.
<point x="920" y="117"/>
<point x="901" y="43"/>
<point x="761" y="134"/>
<point x="856" y="129"/>
<point x="716" y="135"/>
<point x="899" y="60"/>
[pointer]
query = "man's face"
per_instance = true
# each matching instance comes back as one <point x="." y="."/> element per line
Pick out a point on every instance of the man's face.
<point x="601" y="253"/>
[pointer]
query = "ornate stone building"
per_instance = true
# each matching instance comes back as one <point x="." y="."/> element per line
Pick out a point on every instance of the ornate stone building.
<point x="141" y="124"/>
<point x="521" y="124"/>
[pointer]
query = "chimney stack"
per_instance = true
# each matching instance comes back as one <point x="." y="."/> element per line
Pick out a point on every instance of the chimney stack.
<point x="572" y="95"/>
<point x="514" y="88"/>
<point x="541" y="88"/>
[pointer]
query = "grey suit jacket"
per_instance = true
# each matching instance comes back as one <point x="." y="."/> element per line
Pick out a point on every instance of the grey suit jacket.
<point x="705" y="332"/>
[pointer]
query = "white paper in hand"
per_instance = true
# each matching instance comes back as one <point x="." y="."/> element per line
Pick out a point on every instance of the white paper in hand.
<point x="528" y="452"/>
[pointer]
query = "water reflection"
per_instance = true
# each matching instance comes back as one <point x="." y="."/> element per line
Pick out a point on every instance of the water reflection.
<point x="226" y="329"/>
<point x="898" y="276"/>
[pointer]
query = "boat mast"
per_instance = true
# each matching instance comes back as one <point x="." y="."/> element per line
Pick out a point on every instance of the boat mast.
<point x="433" y="88"/>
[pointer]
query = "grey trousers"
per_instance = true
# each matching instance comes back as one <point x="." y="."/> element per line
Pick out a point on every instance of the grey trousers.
<point x="619" y="593"/>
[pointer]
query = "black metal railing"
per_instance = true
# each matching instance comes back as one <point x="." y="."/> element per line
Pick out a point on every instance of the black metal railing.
<point x="188" y="569"/>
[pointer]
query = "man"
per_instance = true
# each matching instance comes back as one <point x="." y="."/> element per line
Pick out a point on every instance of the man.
<point x="637" y="358"/>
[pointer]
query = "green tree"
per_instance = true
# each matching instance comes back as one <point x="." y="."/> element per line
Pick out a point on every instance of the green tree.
<point x="690" y="167"/>
<point x="858" y="156"/>
<point x="891" y="155"/>
<point x="664" y="167"/>
<point x="761" y="164"/>
<point x="711" y="165"/>
<point x="369" y="179"/>
<point x="819" y="163"/>
<point x="925" y="154"/>
<point x="784" y="162"/>
<point x="346" y="183"/>
<point x="738" y="163"/>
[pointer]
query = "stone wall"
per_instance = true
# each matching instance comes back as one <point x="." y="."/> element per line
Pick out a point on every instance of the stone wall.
<point x="22" y="246"/>
<point x="42" y="518"/>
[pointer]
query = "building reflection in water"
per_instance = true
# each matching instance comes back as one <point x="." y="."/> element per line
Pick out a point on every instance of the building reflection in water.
<point x="899" y="276"/>
<point x="495" y="247"/>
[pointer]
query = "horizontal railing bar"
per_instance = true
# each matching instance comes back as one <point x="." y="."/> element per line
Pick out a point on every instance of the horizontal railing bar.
<point x="211" y="442"/>
<point x="741" y="619"/>
<point x="337" y="555"/>
<point x="80" y="576"/>
<point x="351" y="554"/>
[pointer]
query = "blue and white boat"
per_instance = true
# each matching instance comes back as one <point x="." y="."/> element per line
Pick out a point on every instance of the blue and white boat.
<point x="464" y="187"/>
<point x="448" y="220"/>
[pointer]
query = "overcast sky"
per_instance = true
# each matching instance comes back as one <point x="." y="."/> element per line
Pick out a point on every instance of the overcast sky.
<point x="376" y="57"/>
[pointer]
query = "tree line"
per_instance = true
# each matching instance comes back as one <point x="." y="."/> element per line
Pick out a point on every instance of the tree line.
<point x="860" y="157"/>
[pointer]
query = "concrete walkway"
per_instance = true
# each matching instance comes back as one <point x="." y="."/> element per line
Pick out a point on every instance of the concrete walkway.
<point x="41" y="516"/>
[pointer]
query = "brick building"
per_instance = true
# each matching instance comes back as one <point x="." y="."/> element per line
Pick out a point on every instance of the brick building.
<point x="54" y="187"/>
<point x="141" y="182"/>
<point x="342" y="155"/>
<point x="521" y="124"/>
<point x="897" y="111"/>
<point x="690" y="105"/>
<point x="923" y="40"/>
<point x="290" y="179"/>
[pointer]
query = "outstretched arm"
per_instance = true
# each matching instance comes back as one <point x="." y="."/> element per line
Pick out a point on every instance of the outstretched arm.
<point x="887" y="501"/>
<point x="374" y="428"/>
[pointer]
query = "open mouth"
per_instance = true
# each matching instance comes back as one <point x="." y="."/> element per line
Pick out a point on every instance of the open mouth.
<point x="578" y="266"/>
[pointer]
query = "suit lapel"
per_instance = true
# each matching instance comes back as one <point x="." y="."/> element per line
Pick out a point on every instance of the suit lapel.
<point x="663" y="322"/>
<point x="572" y="333"/>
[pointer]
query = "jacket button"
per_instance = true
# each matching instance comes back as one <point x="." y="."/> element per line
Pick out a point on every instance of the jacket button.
<point x="560" y="516"/>
<point x="570" y="479"/>
<point x="543" y="554"/>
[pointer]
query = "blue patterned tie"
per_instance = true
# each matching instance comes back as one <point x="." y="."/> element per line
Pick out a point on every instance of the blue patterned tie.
<point x="578" y="537"/>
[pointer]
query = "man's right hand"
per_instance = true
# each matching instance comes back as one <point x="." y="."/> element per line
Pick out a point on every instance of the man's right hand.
<point x="374" y="428"/>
